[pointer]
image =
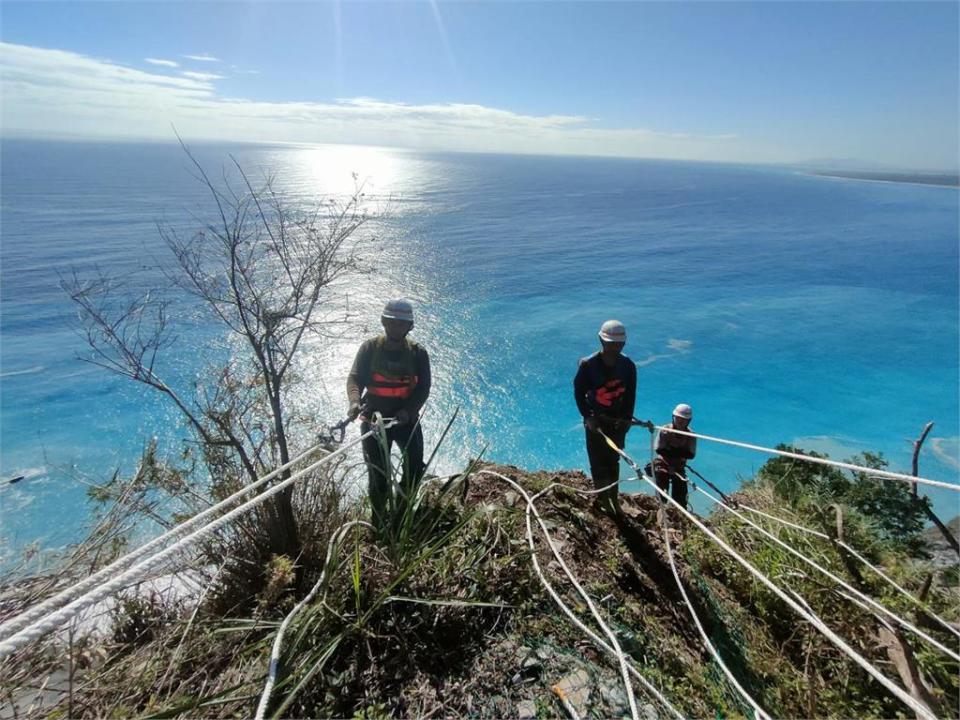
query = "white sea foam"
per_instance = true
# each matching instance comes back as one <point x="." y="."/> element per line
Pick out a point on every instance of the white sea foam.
<point x="676" y="347"/>
<point x="27" y="371"/>
<point x="838" y="448"/>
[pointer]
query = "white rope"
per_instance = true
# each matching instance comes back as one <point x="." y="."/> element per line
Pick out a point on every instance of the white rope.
<point x="565" y="701"/>
<point x="621" y="657"/>
<point x="780" y="520"/>
<point x="919" y="708"/>
<point x="873" y="472"/>
<point x="335" y="540"/>
<point x="144" y="567"/>
<point x="612" y="649"/>
<point x="618" y="651"/>
<point x="833" y="576"/>
<point x="10" y="627"/>
<point x="760" y="712"/>
<point x="906" y="593"/>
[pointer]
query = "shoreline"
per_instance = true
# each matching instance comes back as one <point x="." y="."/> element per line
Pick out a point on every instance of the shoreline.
<point x="945" y="181"/>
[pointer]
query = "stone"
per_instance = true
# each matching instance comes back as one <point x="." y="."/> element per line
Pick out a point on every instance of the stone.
<point x="648" y="712"/>
<point x="576" y="689"/>
<point x="526" y="710"/>
<point x="544" y="652"/>
<point x="613" y="694"/>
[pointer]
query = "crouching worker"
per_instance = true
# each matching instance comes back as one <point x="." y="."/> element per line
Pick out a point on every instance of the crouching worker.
<point x="391" y="375"/>
<point x="605" y="389"/>
<point x="673" y="451"/>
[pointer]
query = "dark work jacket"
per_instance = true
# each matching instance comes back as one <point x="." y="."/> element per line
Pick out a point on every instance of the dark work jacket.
<point x="606" y="392"/>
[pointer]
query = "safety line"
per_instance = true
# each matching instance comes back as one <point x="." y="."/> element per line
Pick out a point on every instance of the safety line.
<point x="760" y="712"/>
<point x="906" y="593"/>
<point x="919" y="708"/>
<point x="878" y="474"/>
<point x="10" y="627"/>
<point x="795" y="526"/>
<point x="833" y="576"/>
<point x="559" y="601"/>
<point x="586" y="596"/>
<point x="335" y="540"/>
<point x="144" y="567"/>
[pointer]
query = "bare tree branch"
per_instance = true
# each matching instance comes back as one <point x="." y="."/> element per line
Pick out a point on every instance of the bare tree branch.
<point x="264" y="269"/>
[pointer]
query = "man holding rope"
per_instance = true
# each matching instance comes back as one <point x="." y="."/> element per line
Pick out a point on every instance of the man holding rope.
<point x="673" y="452"/>
<point x="395" y="372"/>
<point x="605" y="389"/>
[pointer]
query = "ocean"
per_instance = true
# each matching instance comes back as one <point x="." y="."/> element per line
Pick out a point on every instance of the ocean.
<point x="784" y="307"/>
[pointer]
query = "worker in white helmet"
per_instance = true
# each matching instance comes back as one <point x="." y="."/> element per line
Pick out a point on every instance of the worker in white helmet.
<point x="673" y="452"/>
<point x="391" y="375"/>
<point x="605" y="389"/>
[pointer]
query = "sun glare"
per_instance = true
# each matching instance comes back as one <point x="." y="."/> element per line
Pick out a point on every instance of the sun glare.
<point x="338" y="169"/>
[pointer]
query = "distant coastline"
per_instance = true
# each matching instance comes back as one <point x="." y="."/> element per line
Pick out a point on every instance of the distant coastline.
<point x="940" y="179"/>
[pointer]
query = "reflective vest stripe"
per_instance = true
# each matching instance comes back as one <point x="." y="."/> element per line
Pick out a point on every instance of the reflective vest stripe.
<point x="386" y="386"/>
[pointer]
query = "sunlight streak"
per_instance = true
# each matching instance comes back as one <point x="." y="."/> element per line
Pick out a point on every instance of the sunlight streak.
<point x="446" y="43"/>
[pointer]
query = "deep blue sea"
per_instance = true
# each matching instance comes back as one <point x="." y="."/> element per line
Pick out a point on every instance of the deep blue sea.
<point x="784" y="307"/>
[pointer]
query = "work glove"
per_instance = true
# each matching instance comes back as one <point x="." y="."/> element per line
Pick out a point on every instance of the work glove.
<point x="590" y="423"/>
<point x="402" y="417"/>
<point x="354" y="412"/>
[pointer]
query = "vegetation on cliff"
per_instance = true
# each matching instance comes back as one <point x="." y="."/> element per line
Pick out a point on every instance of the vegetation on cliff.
<point x="446" y="616"/>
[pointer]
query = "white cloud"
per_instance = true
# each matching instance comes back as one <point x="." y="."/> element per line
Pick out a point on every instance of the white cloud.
<point x="947" y="451"/>
<point x="164" y="63"/>
<point x="201" y="76"/>
<point x="202" y="58"/>
<point x="54" y="92"/>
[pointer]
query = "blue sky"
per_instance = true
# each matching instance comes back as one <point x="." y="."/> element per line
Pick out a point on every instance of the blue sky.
<point x="750" y="82"/>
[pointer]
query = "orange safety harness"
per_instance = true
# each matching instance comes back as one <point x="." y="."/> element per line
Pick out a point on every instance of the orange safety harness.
<point x="393" y="379"/>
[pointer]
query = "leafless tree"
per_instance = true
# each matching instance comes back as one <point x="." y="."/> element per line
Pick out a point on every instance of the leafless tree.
<point x="264" y="267"/>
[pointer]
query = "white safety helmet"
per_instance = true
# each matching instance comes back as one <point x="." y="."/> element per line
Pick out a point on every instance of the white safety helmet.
<point x="613" y="331"/>
<point x="398" y="310"/>
<point x="683" y="411"/>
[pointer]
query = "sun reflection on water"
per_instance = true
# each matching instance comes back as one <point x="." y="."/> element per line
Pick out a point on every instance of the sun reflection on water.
<point x="339" y="169"/>
<point x="401" y="263"/>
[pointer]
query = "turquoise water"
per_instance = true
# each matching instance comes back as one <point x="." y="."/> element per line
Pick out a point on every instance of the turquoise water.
<point x="783" y="307"/>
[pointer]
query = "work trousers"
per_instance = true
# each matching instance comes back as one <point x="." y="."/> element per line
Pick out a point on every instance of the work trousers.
<point x="673" y="477"/>
<point x="409" y="438"/>
<point x="605" y="462"/>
